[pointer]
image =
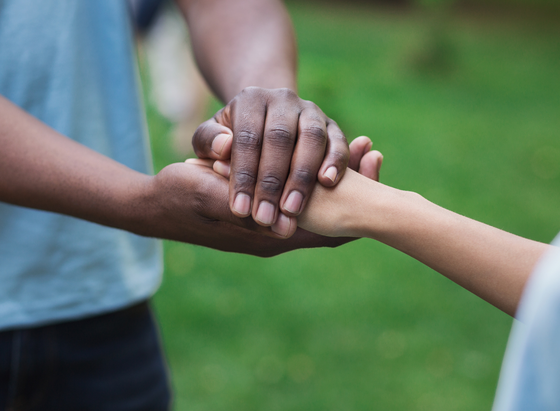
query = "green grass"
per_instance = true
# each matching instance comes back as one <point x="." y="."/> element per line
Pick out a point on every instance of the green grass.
<point x="364" y="327"/>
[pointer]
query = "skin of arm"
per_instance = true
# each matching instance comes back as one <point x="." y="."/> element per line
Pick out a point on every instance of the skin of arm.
<point x="43" y="169"/>
<point x="279" y="144"/>
<point x="489" y="262"/>
<point x="238" y="44"/>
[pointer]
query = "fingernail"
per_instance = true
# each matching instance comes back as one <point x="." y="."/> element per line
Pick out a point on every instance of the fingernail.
<point x="222" y="168"/>
<point x="219" y="142"/>
<point x="282" y="225"/>
<point x="242" y="204"/>
<point x="265" y="213"/>
<point x="331" y="173"/>
<point x="293" y="202"/>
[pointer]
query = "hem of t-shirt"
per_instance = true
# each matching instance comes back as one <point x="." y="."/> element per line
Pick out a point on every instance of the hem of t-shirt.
<point x="75" y="312"/>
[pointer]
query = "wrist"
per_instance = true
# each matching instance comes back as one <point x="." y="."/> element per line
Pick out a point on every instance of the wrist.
<point x="378" y="211"/>
<point x="395" y="217"/>
<point x="135" y="204"/>
<point x="384" y="212"/>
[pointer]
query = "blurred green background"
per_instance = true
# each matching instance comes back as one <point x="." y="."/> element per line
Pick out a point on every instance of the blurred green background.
<point x="465" y="107"/>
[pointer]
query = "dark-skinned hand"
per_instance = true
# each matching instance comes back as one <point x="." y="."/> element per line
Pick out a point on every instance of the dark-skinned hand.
<point x="211" y="223"/>
<point x="279" y="146"/>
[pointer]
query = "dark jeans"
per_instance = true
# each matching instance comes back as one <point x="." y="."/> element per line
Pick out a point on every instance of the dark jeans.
<point x="108" y="362"/>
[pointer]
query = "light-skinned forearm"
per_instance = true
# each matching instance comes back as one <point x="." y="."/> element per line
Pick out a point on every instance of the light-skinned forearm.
<point x="489" y="262"/>
<point x="242" y="43"/>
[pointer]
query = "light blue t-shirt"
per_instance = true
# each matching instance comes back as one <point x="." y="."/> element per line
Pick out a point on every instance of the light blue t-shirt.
<point x="71" y="64"/>
<point x="530" y="376"/>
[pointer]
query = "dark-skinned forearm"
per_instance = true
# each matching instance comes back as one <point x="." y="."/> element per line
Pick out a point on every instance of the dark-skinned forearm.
<point x="242" y="43"/>
<point x="43" y="169"/>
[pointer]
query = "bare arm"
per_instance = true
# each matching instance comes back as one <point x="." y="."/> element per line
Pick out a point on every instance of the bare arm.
<point x="489" y="262"/>
<point x="43" y="169"/>
<point x="238" y="44"/>
<point x="279" y="144"/>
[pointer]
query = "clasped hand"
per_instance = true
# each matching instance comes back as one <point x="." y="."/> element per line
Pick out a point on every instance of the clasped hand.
<point x="279" y="147"/>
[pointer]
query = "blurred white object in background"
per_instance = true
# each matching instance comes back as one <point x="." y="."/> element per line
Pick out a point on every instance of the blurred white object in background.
<point x="177" y="89"/>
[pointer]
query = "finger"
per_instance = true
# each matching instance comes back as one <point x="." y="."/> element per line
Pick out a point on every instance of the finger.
<point x="336" y="159"/>
<point x="284" y="226"/>
<point x="216" y="207"/>
<point x="370" y="165"/>
<point x="306" y="161"/>
<point x="223" y="168"/>
<point x="200" y="162"/>
<point x="358" y="148"/>
<point x="248" y="126"/>
<point x="281" y="127"/>
<point x="212" y="140"/>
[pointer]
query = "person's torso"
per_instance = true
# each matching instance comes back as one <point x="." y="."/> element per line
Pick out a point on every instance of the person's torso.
<point x="71" y="65"/>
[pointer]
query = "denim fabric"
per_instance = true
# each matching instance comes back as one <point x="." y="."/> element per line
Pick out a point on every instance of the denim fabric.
<point x="108" y="362"/>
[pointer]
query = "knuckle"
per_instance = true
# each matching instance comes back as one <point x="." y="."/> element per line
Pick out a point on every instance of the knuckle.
<point x="333" y="123"/>
<point x="244" y="180"/>
<point x="303" y="177"/>
<point x="286" y="93"/>
<point x="337" y="134"/>
<point x="339" y="157"/>
<point x="311" y="106"/>
<point x="271" y="185"/>
<point x="248" y="140"/>
<point x="315" y="133"/>
<point x="250" y="91"/>
<point x="280" y="136"/>
<point x="312" y="112"/>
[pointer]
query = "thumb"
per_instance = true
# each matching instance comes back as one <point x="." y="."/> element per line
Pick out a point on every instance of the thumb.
<point x="212" y="140"/>
<point x="215" y="194"/>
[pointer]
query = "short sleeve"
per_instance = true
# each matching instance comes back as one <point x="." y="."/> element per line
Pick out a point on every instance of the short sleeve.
<point x="530" y="375"/>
